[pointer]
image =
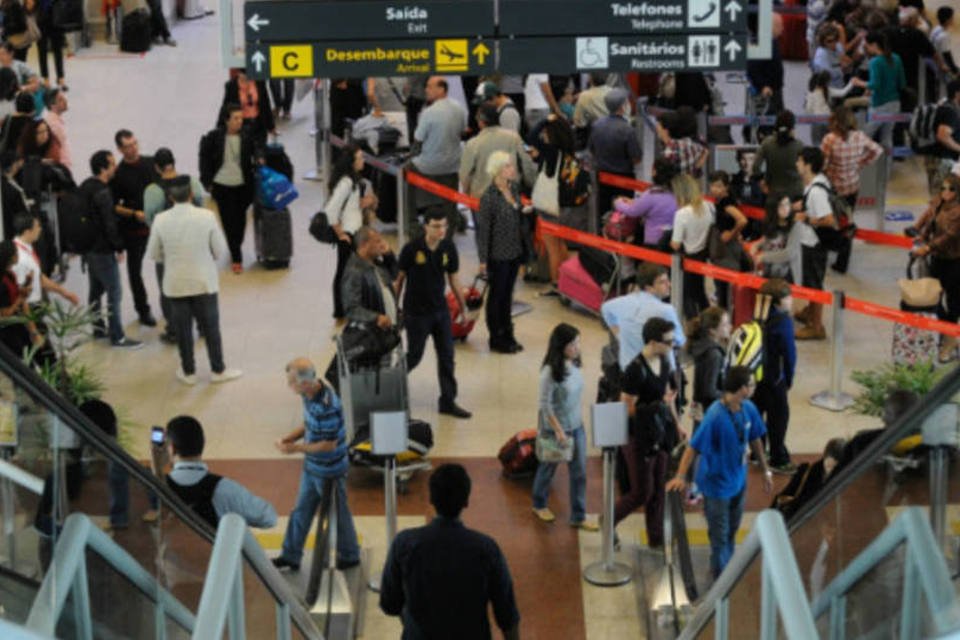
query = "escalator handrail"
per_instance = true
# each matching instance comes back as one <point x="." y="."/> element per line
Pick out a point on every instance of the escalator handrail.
<point x="69" y="562"/>
<point x="21" y="477"/>
<point x="11" y="631"/>
<point x="913" y="528"/>
<point x="219" y="597"/>
<point x="745" y="555"/>
<point x="27" y="379"/>
<point x="785" y="586"/>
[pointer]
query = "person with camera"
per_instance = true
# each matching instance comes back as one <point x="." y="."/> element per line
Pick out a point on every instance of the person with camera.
<point x="427" y="264"/>
<point x="650" y="392"/>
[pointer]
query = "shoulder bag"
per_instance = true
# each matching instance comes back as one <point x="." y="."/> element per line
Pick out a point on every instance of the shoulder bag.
<point x="546" y="190"/>
<point x="25" y="38"/>
<point x="321" y="229"/>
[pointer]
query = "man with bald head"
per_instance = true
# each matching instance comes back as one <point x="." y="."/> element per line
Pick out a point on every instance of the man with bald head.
<point x="323" y="439"/>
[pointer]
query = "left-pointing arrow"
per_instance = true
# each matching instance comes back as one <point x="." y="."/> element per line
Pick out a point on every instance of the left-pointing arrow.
<point x="258" y="59"/>
<point x="255" y="22"/>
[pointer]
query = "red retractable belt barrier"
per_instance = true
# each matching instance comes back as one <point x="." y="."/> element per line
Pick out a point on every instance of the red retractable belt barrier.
<point x="695" y="266"/>
<point x="757" y="213"/>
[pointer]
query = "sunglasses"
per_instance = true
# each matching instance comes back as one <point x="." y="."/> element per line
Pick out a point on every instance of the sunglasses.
<point x="947" y="187"/>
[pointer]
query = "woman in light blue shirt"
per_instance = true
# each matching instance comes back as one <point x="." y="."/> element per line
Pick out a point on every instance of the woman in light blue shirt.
<point x="561" y="392"/>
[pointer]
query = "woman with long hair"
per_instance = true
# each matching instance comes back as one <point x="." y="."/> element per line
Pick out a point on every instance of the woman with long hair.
<point x="38" y="142"/>
<point x="726" y="250"/>
<point x="345" y="208"/>
<point x="655" y="208"/>
<point x="501" y="247"/>
<point x="886" y="80"/>
<point x="691" y="235"/>
<point x="777" y="158"/>
<point x="846" y="152"/>
<point x="938" y="231"/>
<point x="561" y="396"/>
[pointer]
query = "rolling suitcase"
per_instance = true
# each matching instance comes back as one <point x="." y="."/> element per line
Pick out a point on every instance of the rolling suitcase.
<point x="273" y="237"/>
<point x="135" y="32"/>
<point x="575" y="284"/>
<point x="919" y="294"/>
<point x="518" y="455"/>
<point x="419" y="443"/>
<point x="474" y="299"/>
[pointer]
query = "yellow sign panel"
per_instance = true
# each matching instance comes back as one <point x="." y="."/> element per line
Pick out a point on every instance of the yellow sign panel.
<point x="451" y="55"/>
<point x="291" y="61"/>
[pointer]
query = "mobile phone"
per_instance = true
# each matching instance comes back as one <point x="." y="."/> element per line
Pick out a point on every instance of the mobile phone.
<point x="157" y="435"/>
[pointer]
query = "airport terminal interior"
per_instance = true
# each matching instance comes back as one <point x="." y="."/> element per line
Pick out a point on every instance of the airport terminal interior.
<point x="169" y="97"/>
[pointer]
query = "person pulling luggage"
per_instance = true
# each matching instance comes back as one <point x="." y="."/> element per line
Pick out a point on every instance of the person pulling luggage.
<point x="427" y="264"/>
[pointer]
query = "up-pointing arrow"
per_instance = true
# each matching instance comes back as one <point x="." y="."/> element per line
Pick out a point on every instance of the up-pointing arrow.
<point x="732" y="49"/>
<point x="733" y="8"/>
<point x="258" y="59"/>
<point x="255" y="22"/>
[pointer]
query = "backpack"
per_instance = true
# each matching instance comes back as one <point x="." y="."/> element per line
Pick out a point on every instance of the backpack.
<point x="922" y="132"/>
<point x="76" y="221"/>
<point x="573" y="183"/>
<point x="747" y="347"/>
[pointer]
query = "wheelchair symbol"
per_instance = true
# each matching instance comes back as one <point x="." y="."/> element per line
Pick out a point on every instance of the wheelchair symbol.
<point x="592" y="53"/>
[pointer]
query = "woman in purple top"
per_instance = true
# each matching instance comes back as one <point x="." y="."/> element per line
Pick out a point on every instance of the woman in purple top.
<point x="654" y="208"/>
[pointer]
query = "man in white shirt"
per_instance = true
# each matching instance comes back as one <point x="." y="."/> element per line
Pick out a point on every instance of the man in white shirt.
<point x="538" y="99"/>
<point x="438" y="138"/>
<point x="815" y="209"/>
<point x="27" y="229"/>
<point x="940" y="37"/>
<point x="189" y="242"/>
<point x="56" y="103"/>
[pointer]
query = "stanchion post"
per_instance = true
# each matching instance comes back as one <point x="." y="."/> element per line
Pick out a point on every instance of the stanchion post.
<point x="594" y="199"/>
<point x="609" y="431"/>
<point x="388" y="437"/>
<point x="833" y="399"/>
<point x="676" y="283"/>
<point x="401" y="206"/>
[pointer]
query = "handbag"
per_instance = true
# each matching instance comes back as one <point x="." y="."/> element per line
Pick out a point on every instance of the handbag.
<point x="322" y="230"/>
<point x="26" y="38"/>
<point x="548" y="448"/>
<point x="546" y="191"/>
<point x="918" y="289"/>
<point x="365" y="345"/>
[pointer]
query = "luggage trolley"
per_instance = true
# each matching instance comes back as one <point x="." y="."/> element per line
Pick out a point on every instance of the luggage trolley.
<point x="365" y="390"/>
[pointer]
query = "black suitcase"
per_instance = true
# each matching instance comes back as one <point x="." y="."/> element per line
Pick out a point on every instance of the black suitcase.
<point x="275" y="157"/>
<point x="135" y="32"/>
<point x="273" y="237"/>
<point x="598" y="263"/>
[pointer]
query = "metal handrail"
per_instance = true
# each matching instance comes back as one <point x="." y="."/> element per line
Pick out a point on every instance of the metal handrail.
<point x="925" y="568"/>
<point x="743" y="558"/>
<point x="26" y="379"/>
<point x="69" y="567"/>
<point x="222" y="600"/>
<point x="11" y="631"/>
<point x="782" y="586"/>
<point x="23" y="478"/>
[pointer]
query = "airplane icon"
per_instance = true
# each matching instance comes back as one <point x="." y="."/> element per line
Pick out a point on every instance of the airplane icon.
<point x="445" y="50"/>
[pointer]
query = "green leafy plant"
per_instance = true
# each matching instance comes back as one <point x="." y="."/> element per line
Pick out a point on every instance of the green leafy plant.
<point x="878" y="383"/>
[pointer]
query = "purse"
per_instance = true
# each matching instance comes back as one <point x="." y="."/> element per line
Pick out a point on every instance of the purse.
<point x="366" y="345"/>
<point x="548" y="448"/>
<point x="26" y="38"/>
<point x="321" y="229"/>
<point x="918" y="289"/>
<point x="546" y="191"/>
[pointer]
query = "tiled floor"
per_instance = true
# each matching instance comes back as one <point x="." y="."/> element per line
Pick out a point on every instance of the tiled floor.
<point x="169" y="98"/>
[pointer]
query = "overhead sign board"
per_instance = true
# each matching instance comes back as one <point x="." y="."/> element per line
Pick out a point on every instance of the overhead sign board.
<point x="620" y="17"/>
<point x="371" y="58"/>
<point x="318" y="21"/>
<point x="700" y="52"/>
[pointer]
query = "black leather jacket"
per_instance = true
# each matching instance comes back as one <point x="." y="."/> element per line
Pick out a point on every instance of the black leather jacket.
<point x="362" y="291"/>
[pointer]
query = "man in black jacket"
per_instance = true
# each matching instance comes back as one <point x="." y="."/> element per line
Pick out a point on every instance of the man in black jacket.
<point x="368" y="295"/>
<point x="103" y="257"/>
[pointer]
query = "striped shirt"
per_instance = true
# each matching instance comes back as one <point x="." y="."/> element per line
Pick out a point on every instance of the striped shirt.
<point x="323" y="421"/>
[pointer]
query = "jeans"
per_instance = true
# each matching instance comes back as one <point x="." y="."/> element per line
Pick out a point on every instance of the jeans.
<point x="308" y="500"/>
<point x="502" y="276"/>
<point x="136" y="249"/>
<point x="344" y="251"/>
<point x="437" y="324"/>
<point x="882" y="132"/>
<point x="105" y="278"/>
<point x="578" y="479"/>
<point x="232" y="203"/>
<point x="648" y="479"/>
<point x="205" y="309"/>
<point x="772" y="402"/>
<point x="723" y="520"/>
<point x="119" y="482"/>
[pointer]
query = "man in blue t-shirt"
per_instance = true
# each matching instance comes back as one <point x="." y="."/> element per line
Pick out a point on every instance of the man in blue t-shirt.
<point x="731" y="427"/>
<point x="325" y="445"/>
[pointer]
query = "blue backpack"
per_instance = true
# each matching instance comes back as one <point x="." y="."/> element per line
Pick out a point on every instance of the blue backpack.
<point x="274" y="190"/>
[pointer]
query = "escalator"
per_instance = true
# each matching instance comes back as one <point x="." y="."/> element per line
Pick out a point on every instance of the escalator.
<point x="899" y="589"/>
<point x="55" y="462"/>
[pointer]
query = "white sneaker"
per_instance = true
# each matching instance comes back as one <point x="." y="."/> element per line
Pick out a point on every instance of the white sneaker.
<point x="188" y="380"/>
<point x="226" y="375"/>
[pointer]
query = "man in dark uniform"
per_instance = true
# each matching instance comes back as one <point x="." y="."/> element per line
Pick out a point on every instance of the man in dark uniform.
<point x="134" y="173"/>
<point x="427" y="264"/>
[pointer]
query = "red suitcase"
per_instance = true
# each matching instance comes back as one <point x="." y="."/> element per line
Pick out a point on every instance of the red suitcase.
<point x="461" y="326"/>
<point x="574" y="283"/>
<point x="793" y="42"/>
<point x="518" y="454"/>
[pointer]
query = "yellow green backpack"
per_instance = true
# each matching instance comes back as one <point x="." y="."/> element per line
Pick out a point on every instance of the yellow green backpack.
<point x="746" y="347"/>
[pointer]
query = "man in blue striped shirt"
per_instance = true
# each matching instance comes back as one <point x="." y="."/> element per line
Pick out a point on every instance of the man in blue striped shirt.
<point x="324" y="441"/>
